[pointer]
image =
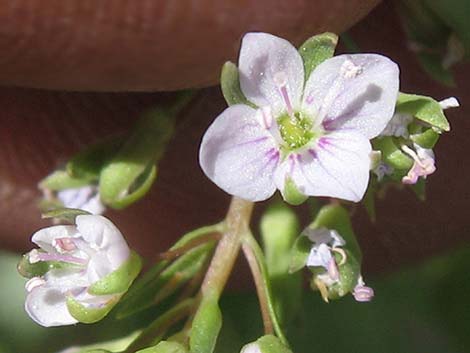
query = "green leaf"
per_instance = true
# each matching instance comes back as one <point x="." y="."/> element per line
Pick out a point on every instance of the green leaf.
<point x="165" y="347"/>
<point x="426" y="139"/>
<point x="169" y="280"/>
<point x="119" y="280"/>
<point x="142" y="294"/>
<point x="317" y="49"/>
<point x="87" y="164"/>
<point x="291" y="194"/>
<point x="423" y="108"/>
<point x="230" y="84"/>
<point x="89" y="315"/>
<point x="420" y="189"/>
<point x="392" y="154"/>
<point x="272" y="344"/>
<point x="206" y="326"/>
<point x="131" y="172"/>
<point x="65" y="214"/>
<point x="279" y="229"/>
<point x="60" y="180"/>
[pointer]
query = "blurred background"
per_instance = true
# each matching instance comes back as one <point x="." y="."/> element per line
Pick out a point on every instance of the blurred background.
<point x="74" y="74"/>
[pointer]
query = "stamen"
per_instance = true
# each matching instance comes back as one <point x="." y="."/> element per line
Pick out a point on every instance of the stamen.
<point x="344" y="257"/>
<point x="280" y="79"/>
<point x="349" y="69"/>
<point x="36" y="256"/>
<point x="322" y="288"/>
<point x="412" y="154"/>
<point x="333" y="271"/>
<point x="363" y="293"/>
<point x="63" y="244"/>
<point x="33" y="283"/>
<point x="267" y="117"/>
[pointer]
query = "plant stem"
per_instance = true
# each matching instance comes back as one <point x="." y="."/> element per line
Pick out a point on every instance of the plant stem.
<point x="161" y="325"/>
<point x="255" y="257"/>
<point x="236" y="226"/>
<point x="260" y="288"/>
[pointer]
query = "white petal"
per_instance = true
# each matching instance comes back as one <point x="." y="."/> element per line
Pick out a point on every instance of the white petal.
<point x="262" y="56"/>
<point x="337" y="167"/>
<point x="239" y="154"/>
<point x="102" y="233"/>
<point x="46" y="305"/>
<point x="319" y="256"/>
<point x="362" y="99"/>
<point x="44" y="237"/>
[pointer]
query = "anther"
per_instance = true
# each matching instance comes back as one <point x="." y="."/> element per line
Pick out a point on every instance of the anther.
<point x="280" y="79"/>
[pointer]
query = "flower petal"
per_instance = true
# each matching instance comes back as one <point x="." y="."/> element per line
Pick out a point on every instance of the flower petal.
<point x="239" y="154"/>
<point x="46" y="305"/>
<point x="353" y="92"/>
<point x="262" y="56"/>
<point x="319" y="256"/>
<point x="102" y="233"/>
<point x="337" y="167"/>
<point x="44" y="237"/>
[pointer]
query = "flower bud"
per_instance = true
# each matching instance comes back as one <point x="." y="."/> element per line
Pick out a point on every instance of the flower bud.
<point x="78" y="273"/>
<point x="266" y="344"/>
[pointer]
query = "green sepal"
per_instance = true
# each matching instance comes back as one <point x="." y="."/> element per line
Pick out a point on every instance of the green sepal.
<point x="165" y="347"/>
<point x="369" y="200"/>
<point x="349" y="273"/>
<point x="119" y="280"/>
<point x="426" y="139"/>
<point x="337" y="217"/>
<point x="271" y="344"/>
<point x="131" y="172"/>
<point x="60" y="180"/>
<point x="64" y="214"/>
<point x="291" y="194"/>
<point x="392" y="154"/>
<point x="29" y="270"/>
<point x="206" y="326"/>
<point x="279" y="229"/>
<point x="87" y="164"/>
<point x="89" y="315"/>
<point x="230" y="85"/>
<point x="317" y="49"/>
<point x="423" y="108"/>
<point x="299" y="253"/>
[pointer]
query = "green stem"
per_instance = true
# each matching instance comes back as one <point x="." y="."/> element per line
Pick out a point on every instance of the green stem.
<point x="236" y="226"/>
<point x="255" y="257"/>
<point x="153" y="333"/>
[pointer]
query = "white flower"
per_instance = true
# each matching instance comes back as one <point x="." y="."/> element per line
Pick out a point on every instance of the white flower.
<point x="87" y="252"/>
<point x="314" y="133"/>
<point x="325" y="242"/>
<point x="85" y="198"/>
<point x="423" y="165"/>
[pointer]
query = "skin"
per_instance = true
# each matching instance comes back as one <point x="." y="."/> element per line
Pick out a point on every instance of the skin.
<point x="41" y="129"/>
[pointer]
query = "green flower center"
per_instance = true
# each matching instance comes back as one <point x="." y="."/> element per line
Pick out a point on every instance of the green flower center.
<point x="295" y="132"/>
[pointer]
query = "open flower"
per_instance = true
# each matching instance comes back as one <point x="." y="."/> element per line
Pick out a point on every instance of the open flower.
<point x="79" y="259"/>
<point x="311" y="133"/>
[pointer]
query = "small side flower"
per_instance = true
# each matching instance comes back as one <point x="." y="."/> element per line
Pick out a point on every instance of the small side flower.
<point x="78" y="273"/>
